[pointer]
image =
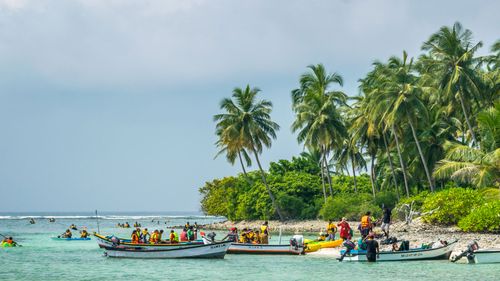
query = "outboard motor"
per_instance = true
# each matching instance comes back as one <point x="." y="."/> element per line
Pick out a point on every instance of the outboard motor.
<point x="297" y="241"/>
<point x="469" y="252"/>
<point x="211" y="237"/>
<point x="115" y="240"/>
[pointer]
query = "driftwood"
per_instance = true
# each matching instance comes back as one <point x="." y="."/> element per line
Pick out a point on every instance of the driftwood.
<point x="410" y="214"/>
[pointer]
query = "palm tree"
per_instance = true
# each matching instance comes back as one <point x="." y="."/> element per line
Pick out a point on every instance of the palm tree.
<point x="401" y="103"/>
<point x="248" y="121"/>
<point x="373" y="87"/>
<point x="351" y="153"/>
<point x="233" y="149"/>
<point x="317" y="118"/>
<point x="451" y="59"/>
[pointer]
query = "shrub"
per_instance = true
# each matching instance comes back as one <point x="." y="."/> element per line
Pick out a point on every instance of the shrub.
<point x="291" y="206"/>
<point x="351" y="206"/>
<point x="450" y="205"/>
<point x="483" y="218"/>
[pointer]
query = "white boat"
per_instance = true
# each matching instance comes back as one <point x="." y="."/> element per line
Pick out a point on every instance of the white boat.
<point x="295" y="247"/>
<point x="442" y="252"/>
<point x="109" y="241"/>
<point x="214" y="250"/>
<point x="485" y="256"/>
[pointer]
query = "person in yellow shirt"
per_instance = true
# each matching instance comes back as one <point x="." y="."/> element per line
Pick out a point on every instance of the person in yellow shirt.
<point x="264" y="233"/>
<point x="331" y="229"/>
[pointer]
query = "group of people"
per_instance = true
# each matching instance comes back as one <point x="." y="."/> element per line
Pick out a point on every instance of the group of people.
<point x="248" y="235"/>
<point x="69" y="234"/>
<point x="124" y="225"/>
<point x="188" y="233"/>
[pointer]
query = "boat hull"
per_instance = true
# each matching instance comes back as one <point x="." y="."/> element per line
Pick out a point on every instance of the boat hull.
<point x="216" y="250"/>
<point x="71" y="239"/>
<point x="486" y="256"/>
<point x="411" y="255"/>
<point x="262" y="249"/>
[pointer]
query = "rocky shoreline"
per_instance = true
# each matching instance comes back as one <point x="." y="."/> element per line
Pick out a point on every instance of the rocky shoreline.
<point x="417" y="232"/>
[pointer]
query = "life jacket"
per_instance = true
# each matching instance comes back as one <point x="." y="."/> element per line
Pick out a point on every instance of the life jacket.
<point x="184" y="236"/>
<point x="365" y="222"/>
<point x="263" y="229"/>
<point x="331" y="228"/>
<point x="176" y="239"/>
<point x="154" y="238"/>
<point x="172" y="237"/>
<point x="84" y="234"/>
<point x="243" y="238"/>
<point x="135" y="238"/>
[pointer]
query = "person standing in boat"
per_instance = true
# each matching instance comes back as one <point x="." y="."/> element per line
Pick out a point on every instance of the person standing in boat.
<point x="386" y="221"/>
<point x="345" y="229"/>
<point x="190" y="234"/>
<point x="195" y="229"/>
<point x="372" y="249"/>
<point x="264" y="233"/>
<point x="145" y="236"/>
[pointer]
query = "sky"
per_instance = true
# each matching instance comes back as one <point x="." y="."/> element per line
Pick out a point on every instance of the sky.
<point x="108" y="104"/>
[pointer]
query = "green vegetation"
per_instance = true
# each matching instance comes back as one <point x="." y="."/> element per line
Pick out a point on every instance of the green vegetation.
<point x="424" y="130"/>
<point x="483" y="218"/>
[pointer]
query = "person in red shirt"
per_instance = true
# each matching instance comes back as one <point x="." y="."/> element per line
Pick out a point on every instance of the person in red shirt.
<point x="345" y="229"/>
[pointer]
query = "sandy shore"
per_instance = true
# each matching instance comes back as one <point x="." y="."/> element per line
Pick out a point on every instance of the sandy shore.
<point x="417" y="233"/>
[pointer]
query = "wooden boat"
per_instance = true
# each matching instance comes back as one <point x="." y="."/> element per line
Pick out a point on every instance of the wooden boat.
<point x="485" y="256"/>
<point x="213" y="250"/>
<point x="442" y="252"/>
<point x="109" y="241"/>
<point x="295" y="247"/>
<point x="260" y="249"/>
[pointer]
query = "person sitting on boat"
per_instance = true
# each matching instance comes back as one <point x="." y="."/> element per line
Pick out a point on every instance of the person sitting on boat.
<point x="184" y="236"/>
<point x="72" y="226"/>
<point x="160" y="235"/>
<point x="8" y="242"/>
<point x="84" y="234"/>
<point x="67" y="234"/>
<point x="243" y="236"/>
<point x="366" y="224"/>
<point x="136" y="224"/>
<point x="256" y="237"/>
<point x="372" y="249"/>
<point x="126" y="225"/>
<point x="155" y="237"/>
<point x="345" y="229"/>
<point x="232" y="235"/>
<point x="145" y="235"/>
<point x="331" y="229"/>
<point x="174" y="238"/>
<point x="135" y="236"/>
<point x="190" y="234"/>
<point x="322" y="236"/>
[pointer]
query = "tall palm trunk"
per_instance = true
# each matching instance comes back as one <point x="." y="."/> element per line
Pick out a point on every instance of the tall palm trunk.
<point x="242" y="165"/>
<point x="327" y="171"/>
<point x="354" y="173"/>
<point x="263" y="175"/>
<point x="401" y="162"/>
<point x="372" y="174"/>
<point x="323" y="179"/>
<point x="424" y="163"/>
<point x="390" y="164"/>
<point x="467" y="118"/>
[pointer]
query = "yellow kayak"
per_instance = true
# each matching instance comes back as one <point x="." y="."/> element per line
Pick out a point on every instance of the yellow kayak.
<point x="313" y="246"/>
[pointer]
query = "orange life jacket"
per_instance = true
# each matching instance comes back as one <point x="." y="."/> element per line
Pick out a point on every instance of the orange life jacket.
<point x="135" y="238"/>
<point x="365" y="221"/>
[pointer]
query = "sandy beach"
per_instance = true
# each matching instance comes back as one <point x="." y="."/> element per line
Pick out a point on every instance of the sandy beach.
<point x="417" y="232"/>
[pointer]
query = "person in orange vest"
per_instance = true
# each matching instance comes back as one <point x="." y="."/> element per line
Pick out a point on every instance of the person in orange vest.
<point x="173" y="237"/>
<point x="135" y="236"/>
<point x="366" y="224"/>
<point x="155" y="237"/>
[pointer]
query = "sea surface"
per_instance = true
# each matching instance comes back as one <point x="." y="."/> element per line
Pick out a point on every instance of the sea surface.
<point x="42" y="258"/>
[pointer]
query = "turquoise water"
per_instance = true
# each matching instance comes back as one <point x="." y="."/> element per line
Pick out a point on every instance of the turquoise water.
<point x="41" y="258"/>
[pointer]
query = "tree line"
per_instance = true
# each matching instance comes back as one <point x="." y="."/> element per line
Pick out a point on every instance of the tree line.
<point x="417" y="123"/>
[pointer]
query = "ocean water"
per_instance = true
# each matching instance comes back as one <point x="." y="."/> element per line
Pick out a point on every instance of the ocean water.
<point x="42" y="258"/>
